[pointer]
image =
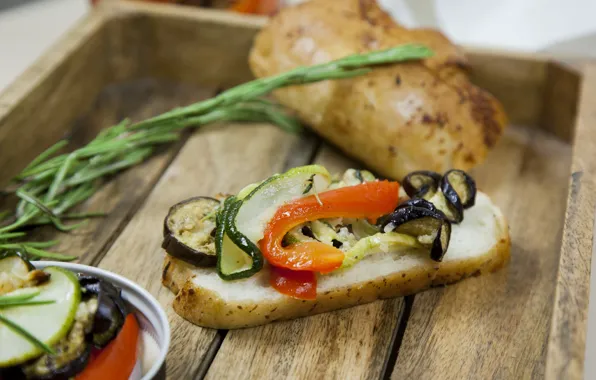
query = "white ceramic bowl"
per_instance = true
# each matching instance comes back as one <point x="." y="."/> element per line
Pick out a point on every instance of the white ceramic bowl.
<point x="152" y="318"/>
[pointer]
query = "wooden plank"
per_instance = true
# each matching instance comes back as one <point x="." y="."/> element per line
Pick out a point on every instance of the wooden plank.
<point x="561" y="100"/>
<point x="194" y="36"/>
<point x="216" y="159"/>
<point x="40" y="106"/>
<point x="121" y="196"/>
<point x="518" y="83"/>
<point x="566" y="347"/>
<point x="496" y="326"/>
<point x="353" y="343"/>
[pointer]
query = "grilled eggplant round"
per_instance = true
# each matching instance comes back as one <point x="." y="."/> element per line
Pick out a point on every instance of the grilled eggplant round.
<point x="458" y="186"/>
<point x="431" y="228"/>
<point x="188" y="231"/>
<point x="421" y="184"/>
<point x="111" y="309"/>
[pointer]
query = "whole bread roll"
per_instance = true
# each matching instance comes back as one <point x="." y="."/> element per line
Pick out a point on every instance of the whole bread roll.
<point x="396" y="119"/>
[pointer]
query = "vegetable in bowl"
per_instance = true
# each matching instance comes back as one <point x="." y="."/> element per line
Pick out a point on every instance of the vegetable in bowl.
<point x="62" y="321"/>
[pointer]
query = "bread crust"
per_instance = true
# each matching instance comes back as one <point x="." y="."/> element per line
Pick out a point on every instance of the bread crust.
<point x="206" y="308"/>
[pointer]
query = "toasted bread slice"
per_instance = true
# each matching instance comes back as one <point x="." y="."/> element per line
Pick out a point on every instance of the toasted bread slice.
<point x="480" y="244"/>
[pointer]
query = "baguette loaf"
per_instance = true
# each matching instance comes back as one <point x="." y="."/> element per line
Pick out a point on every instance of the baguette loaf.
<point x="399" y="118"/>
<point x="480" y="244"/>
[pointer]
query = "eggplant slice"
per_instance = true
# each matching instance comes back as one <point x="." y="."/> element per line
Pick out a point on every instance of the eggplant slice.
<point x="431" y="228"/>
<point x="418" y="202"/>
<point x="72" y="352"/>
<point x="458" y="184"/>
<point x="421" y="184"/>
<point x="111" y="309"/>
<point x="188" y="231"/>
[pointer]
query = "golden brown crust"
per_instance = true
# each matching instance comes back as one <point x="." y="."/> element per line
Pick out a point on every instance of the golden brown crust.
<point x="399" y="118"/>
<point x="205" y="308"/>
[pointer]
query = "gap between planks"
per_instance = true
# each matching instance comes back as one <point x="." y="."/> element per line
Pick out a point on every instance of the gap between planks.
<point x="497" y="325"/>
<point x="358" y="342"/>
<point x="220" y="158"/>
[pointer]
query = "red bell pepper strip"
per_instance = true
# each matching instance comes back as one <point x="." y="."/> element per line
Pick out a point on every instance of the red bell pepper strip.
<point x="117" y="360"/>
<point x="297" y="284"/>
<point x="367" y="200"/>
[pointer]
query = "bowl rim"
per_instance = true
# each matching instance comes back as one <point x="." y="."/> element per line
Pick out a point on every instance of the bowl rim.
<point x="113" y="277"/>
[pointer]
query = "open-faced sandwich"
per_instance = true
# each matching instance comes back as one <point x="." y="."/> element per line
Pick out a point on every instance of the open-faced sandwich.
<point x="302" y="243"/>
<point x="57" y="324"/>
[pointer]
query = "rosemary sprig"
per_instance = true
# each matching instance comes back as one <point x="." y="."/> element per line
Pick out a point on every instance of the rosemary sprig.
<point x="53" y="184"/>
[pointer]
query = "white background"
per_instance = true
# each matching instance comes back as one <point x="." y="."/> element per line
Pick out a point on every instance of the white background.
<point x="556" y="26"/>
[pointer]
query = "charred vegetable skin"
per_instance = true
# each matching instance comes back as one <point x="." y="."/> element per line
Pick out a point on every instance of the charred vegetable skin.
<point x="183" y="217"/>
<point x="244" y="248"/>
<point x="104" y="314"/>
<point x="111" y="309"/>
<point x="419" y="218"/>
<point x="421" y="184"/>
<point x="451" y="193"/>
<point x="458" y="186"/>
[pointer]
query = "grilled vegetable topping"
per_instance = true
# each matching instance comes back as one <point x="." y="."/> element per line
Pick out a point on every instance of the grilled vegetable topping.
<point x="323" y="232"/>
<point x="72" y="352"/>
<point x="237" y="256"/>
<point x="419" y="202"/>
<point x="111" y="309"/>
<point x="362" y="228"/>
<point x="459" y="187"/>
<point x="429" y="227"/>
<point x="421" y="184"/>
<point x="117" y="360"/>
<point x="457" y="191"/>
<point x="259" y="206"/>
<point x="242" y="222"/>
<point x="361" y="201"/>
<point x="381" y="242"/>
<point x="16" y="272"/>
<point x="48" y="323"/>
<point x="187" y="231"/>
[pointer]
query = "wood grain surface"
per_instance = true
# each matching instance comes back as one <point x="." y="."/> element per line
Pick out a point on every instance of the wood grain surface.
<point x="566" y="347"/>
<point x="345" y="344"/>
<point x="217" y="159"/>
<point x="496" y="326"/>
<point x="40" y="107"/>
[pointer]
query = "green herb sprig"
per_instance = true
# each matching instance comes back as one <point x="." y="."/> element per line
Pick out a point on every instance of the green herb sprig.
<point x="51" y="185"/>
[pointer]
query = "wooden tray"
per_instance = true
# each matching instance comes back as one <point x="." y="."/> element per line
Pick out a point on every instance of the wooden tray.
<point x="526" y="321"/>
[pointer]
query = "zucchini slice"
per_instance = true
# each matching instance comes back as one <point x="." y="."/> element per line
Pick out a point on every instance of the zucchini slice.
<point x="242" y="222"/>
<point x="238" y="258"/>
<point x="49" y="323"/>
<point x="260" y="205"/>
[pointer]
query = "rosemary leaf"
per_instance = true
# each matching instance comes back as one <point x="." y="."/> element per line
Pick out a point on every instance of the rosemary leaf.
<point x="25" y="303"/>
<point x="59" y="178"/>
